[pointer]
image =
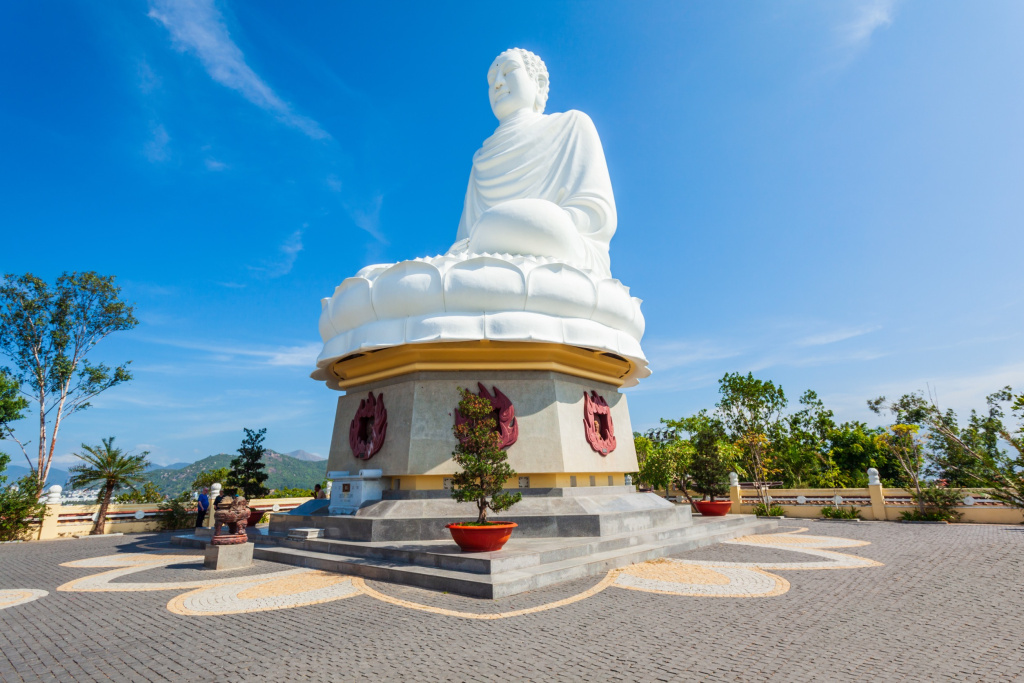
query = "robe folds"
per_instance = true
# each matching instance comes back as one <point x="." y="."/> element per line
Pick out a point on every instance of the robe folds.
<point x="556" y="157"/>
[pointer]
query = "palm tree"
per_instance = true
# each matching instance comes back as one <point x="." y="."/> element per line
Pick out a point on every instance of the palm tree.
<point x="112" y="469"/>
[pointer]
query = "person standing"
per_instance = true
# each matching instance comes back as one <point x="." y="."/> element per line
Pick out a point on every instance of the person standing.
<point x="204" y="506"/>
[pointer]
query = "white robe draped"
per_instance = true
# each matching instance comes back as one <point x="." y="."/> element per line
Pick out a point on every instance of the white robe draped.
<point x="556" y="157"/>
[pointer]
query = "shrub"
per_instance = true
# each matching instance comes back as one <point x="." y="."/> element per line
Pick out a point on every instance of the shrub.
<point x="762" y="510"/>
<point x="839" y="512"/>
<point x="935" y="504"/>
<point x="181" y="513"/>
<point x="19" y="507"/>
<point x="290" y="493"/>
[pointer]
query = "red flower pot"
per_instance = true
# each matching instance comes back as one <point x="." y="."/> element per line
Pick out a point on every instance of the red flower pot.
<point x="481" y="539"/>
<point x="254" y="517"/>
<point x="717" y="508"/>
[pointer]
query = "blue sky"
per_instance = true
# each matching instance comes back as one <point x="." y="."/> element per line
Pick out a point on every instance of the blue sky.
<point x="828" y="194"/>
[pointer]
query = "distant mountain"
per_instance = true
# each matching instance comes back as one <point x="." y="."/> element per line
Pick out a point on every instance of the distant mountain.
<point x="284" y="471"/>
<point x="305" y="456"/>
<point x="172" y="466"/>
<point x="16" y="472"/>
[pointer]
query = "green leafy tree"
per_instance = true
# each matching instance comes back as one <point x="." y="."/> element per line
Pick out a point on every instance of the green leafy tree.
<point x="707" y="457"/>
<point x="149" y="493"/>
<point x="205" y="480"/>
<point x="751" y="411"/>
<point x="47" y="332"/>
<point x="656" y="467"/>
<point x="1002" y="472"/>
<point x="484" y="464"/>
<point x="247" y="469"/>
<point x="110" y="468"/>
<point x="19" y="505"/>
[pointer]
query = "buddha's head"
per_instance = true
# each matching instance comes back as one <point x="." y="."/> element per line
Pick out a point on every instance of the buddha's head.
<point x="518" y="80"/>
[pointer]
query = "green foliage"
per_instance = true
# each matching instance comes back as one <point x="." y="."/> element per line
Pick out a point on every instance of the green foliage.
<point x="19" y="504"/>
<point x="656" y="467"/>
<point x="290" y="493"/>
<point x="709" y="455"/>
<point x="247" y="470"/>
<point x="110" y="468"/>
<point x="181" y="512"/>
<point x="765" y="510"/>
<point x="208" y="478"/>
<point x="484" y="464"/>
<point x="751" y="410"/>
<point x="47" y="332"/>
<point x="148" y="494"/>
<point x="839" y="512"/>
<point x="935" y="504"/>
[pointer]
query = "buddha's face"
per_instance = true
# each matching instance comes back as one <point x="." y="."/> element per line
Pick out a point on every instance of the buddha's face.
<point x="511" y="87"/>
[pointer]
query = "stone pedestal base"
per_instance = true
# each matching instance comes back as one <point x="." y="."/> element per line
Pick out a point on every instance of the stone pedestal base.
<point x="551" y="449"/>
<point x="228" y="556"/>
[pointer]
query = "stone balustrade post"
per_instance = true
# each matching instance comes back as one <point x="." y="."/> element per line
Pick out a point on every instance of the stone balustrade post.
<point x="877" y="495"/>
<point x="214" y="492"/>
<point x="734" y="491"/>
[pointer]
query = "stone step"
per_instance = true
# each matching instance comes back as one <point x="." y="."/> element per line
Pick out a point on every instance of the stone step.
<point x="446" y="555"/>
<point x="411" y="566"/>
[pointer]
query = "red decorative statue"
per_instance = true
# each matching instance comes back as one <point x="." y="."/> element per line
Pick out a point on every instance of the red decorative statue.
<point x="369" y="427"/>
<point x="504" y="415"/>
<point x="597" y="423"/>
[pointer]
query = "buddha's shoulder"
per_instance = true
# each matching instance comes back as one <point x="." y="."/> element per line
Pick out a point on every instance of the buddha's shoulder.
<point x="573" y="120"/>
<point x="573" y="116"/>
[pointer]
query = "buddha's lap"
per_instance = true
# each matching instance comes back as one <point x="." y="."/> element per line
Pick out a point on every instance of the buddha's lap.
<point x="527" y="226"/>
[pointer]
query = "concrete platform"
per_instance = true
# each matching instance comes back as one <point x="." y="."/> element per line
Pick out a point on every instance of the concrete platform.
<point x="542" y="513"/>
<point x="523" y="564"/>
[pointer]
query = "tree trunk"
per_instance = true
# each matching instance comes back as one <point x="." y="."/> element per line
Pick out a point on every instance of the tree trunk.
<point x="40" y="479"/>
<point x="101" y="518"/>
<point x="481" y="505"/>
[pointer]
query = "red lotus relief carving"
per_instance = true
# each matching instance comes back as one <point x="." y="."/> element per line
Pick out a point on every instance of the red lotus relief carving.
<point x="504" y="415"/>
<point x="369" y="427"/>
<point x="597" y="423"/>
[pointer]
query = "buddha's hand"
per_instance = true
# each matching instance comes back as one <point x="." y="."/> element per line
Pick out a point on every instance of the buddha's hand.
<point x="527" y="226"/>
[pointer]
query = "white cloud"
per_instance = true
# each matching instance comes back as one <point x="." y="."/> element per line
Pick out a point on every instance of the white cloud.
<point x="197" y="27"/>
<point x="282" y="265"/>
<point x="302" y="355"/>
<point x="214" y="165"/>
<point x="871" y="16"/>
<point x="369" y="220"/>
<point x="833" y="336"/>
<point x="665" y="355"/>
<point x="156" y="149"/>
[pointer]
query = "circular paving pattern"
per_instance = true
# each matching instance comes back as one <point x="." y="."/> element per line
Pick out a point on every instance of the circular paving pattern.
<point x="19" y="596"/>
<point x="232" y="593"/>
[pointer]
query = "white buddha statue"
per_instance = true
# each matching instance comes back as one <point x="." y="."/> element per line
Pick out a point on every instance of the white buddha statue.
<point x="530" y="262"/>
<point x="539" y="185"/>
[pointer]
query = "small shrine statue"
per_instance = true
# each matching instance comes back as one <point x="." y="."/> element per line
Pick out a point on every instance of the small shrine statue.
<point x="232" y="511"/>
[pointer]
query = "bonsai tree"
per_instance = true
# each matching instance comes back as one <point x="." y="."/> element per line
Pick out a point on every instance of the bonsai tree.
<point x="709" y="470"/>
<point x="112" y="469"/>
<point x="484" y="464"/>
<point x="247" y="469"/>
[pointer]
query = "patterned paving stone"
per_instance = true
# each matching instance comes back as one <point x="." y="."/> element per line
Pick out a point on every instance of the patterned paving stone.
<point x="936" y="603"/>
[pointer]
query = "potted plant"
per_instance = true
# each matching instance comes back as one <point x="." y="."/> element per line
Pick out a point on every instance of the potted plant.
<point x="485" y="470"/>
<point x="709" y="473"/>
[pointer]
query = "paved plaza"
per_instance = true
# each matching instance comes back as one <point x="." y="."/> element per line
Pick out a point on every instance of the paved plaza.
<point x="813" y="601"/>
